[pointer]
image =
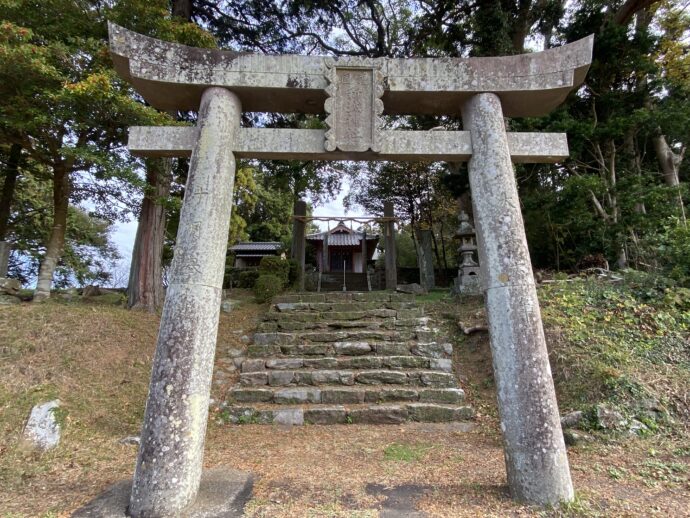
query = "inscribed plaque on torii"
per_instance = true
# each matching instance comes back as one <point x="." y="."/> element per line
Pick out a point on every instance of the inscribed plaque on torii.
<point x="353" y="105"/>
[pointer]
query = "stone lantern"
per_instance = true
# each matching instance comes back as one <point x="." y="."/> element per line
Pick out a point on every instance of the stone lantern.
<point x="468" y="280"/>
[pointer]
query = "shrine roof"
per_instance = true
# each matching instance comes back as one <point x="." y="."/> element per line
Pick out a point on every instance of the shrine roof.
<point x="268" y="246"/>
<point x="171" y="76"/>
<point x="342" y="236"/>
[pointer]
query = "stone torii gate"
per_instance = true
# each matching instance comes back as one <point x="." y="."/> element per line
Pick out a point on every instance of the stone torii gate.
<point x="354" y="92"/>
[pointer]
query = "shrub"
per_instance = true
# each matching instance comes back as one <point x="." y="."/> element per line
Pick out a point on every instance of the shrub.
<point x="267" y="286"/>
<point x="294" y="272"/>
<point x="247" y="278"/>
<point x="277" y="266"/>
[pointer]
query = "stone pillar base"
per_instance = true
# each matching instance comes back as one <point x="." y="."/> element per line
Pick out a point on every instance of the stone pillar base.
<point x="223" y="493"/>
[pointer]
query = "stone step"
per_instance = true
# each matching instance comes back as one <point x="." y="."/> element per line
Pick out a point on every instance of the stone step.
<point x="333" y="316"/>
<point x="341" y="306"/>
<point x="387" y="324"/>
<point x="344" y="395"/>
<point x="362" y="348"/>
<point x="357" y="335"/>
<point x="348" y="377"/>
<point x="347" y="362"/>
<point x="345" y="414"/>
<point x="367" y="296"/>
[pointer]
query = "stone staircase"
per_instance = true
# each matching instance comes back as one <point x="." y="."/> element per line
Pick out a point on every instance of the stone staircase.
<point x="353" y="281"/>
<point x="333" y="358"/>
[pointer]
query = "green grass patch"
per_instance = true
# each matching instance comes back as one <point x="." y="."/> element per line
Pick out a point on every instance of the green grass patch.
<point x="434" y="295"/>
<point x="405" y="452"/>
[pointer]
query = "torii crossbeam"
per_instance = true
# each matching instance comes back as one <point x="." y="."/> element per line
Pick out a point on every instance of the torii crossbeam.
<point x="353" y="92"/>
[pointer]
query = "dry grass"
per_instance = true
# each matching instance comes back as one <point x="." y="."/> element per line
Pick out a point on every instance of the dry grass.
<point x="97" y="361"/>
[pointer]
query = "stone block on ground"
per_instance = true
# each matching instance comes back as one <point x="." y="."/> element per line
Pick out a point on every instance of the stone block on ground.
<point x="441" y="364"/>
<point x="388" y="395"/>
<point x="378" y="414"/>
<point x="289" y="416"/>
<point x="307" y="350"/>
<point x="223" y="493"/>
<point x="284" y="363"/>
<point x="253" y="365"/>
<point x="432" y="413"/>
<point x="8" y="300"/>
<point x="392" y="349"/>
<point x="360" y="362"/>
<point x="437" y="379"/>
<point x="297" y="395"/>
<point x="433" y="350"/>
<point x="445" y="395"/>
<point x="10" y="286"/>
<point x="274" y="338"/>
<point x="254" y="378"/>
<point x="406" y="362"/>
<point x="382" y="377"/>
<point x="251" y="395"/>
<point x="280" y="378"/>
<point x="258" y="351"/>
<point x="572" y="419"/>
<point x="609" y="418"/>
<point x="325" y="415"/>
<point x="42" y="430"/>
<point x="341" y="396"/>
<point x="351" y="348"/>
<point x="333" y="378"/>
<point x="413" y="289"/>
<point x="320" y="363"/>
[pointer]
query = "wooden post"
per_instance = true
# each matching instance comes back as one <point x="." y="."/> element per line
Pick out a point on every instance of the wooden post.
<point x="391" y="256"/>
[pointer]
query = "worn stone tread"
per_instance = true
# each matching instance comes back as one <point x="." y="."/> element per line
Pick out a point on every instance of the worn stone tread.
<point x="393" y="348"/>
<point x="369" y="361"/>
<point x="345" y="414"/>
<point x="345" y="394"/>
<point x="315" y="377"/>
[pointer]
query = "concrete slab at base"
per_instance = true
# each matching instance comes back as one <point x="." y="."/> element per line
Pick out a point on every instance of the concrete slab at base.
<point x="222" y="494"/>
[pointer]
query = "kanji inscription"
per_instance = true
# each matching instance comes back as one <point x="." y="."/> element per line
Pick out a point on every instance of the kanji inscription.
<point x="353" y="106"/>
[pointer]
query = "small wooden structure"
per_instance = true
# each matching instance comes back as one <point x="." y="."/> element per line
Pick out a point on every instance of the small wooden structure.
<point x="343" y="249"/>
<point x="249" y="255"/>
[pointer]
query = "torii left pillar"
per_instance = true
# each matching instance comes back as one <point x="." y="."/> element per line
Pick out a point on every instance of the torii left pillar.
<point x="168" y="471"/>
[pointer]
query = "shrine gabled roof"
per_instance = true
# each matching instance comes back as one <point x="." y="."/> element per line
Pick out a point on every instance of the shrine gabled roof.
<point x="266" y="246"/>
<point x="342" y="236"/>
<point x="171" y="76"/>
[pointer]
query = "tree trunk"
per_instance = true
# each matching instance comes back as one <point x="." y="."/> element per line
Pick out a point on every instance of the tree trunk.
<point x="145" y="287"/>
<point x="56" y="242"/>
<point x="8" y="186"/>
<point x="443" y="249"/>
<point x="182" y="9"/>
<point x="669" y="162"/>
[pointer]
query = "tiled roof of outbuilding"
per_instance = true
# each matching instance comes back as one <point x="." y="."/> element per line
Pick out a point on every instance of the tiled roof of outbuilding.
<point x="268" y="246"/>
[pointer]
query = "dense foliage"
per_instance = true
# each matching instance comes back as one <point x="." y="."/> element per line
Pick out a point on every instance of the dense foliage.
<point x="64" y="113"/>
<point x="609" y="340"/>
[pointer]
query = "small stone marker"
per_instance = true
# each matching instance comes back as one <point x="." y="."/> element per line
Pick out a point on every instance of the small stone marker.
<point x="42" y="430"/>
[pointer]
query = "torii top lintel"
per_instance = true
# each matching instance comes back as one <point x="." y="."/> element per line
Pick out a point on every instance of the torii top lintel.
<point x="171" y="76"/>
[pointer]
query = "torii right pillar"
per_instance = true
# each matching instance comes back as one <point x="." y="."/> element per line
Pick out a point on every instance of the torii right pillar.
<point x="535" y="454"/>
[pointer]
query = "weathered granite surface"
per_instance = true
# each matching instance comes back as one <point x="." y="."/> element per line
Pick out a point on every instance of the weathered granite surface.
<point x="536" y="460"/>
<point x="171" y="76"/>
<point x="170" y="457"/>
<point x="308" y="144"/>
<point x="42" y="430"/>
